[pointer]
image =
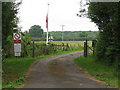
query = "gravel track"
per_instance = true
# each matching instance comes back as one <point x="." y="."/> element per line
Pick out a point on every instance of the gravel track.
<point x="60" y="72"/>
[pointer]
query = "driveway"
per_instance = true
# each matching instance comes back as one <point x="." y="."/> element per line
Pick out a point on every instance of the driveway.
<point x="60" y="72"/>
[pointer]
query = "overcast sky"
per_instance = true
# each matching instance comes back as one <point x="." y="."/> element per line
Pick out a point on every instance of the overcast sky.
<point x="61" y="12"/>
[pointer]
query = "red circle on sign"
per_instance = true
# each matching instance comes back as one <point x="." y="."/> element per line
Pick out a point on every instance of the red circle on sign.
<point x="17" y="36"/>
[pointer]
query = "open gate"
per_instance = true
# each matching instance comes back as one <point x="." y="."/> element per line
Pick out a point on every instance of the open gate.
<point x="86" y="47"/>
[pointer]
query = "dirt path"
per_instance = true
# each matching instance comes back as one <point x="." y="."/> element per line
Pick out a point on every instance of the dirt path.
<point x="60" y="72"/>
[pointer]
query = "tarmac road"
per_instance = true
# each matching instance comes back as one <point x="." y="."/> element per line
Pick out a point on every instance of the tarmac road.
<point x="60" y="72"/>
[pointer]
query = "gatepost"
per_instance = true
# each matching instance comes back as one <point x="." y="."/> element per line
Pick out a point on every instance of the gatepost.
<point x="85" y="49"/>
<point x="93" y="45"/>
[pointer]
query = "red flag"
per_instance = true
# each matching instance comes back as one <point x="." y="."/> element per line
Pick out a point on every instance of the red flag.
<point x="47" y="21"/>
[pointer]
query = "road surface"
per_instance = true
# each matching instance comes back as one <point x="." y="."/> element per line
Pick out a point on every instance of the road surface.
<point x="60" y="72"/>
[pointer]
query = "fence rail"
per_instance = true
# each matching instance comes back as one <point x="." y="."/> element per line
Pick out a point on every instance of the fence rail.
<point x="36" y="49"/>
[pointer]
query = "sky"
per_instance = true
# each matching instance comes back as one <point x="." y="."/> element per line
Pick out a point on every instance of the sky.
<point x="61" y="12"/>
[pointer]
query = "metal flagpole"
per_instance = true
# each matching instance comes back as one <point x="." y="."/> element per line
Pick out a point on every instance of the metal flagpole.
<point x="47" y="37"/>
<point x="47" y="26"/>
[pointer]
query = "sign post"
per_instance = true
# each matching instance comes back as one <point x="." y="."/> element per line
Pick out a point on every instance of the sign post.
<point x="17" y="43"/>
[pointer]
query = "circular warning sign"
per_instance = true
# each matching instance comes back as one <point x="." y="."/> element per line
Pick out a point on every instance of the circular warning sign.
<point x="17" y="37"/>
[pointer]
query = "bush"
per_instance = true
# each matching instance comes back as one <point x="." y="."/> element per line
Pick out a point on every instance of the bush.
<point x="8" y="48"/>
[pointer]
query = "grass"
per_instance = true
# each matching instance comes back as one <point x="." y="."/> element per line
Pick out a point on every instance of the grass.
<point x="14" y="69"/>
<point x="71" y="43"/>
<point x="100" y="71"/>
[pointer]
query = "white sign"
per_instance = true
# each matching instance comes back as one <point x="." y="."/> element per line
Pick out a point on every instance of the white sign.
<point x="17" y="47"/>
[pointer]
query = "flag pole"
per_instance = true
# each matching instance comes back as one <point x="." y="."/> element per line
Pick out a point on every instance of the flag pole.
<point x="47" y="26"/>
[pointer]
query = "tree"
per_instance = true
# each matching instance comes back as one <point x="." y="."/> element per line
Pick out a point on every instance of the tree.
<point x="9" y="21"/>
<point x="36" y="31"/>
<point x="105" y="15"/>
<point x="83" y="34"/>
<point x="0" y="26"/>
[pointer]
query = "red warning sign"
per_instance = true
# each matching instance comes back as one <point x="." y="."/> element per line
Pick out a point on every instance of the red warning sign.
<point x="17" y="37"/>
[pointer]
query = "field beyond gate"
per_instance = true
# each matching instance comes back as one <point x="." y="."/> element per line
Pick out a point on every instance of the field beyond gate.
<point x="40" y="47"/>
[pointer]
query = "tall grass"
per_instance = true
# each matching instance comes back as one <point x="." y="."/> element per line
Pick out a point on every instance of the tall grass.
<point x="14" y="70"/>
<point x="100" y="71"/>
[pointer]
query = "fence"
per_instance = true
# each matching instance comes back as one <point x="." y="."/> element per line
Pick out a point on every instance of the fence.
<point x="37" y="49"/>
<point x="34" y="49"/>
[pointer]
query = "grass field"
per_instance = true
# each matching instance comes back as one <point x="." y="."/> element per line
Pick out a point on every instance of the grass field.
<point x="100" y="71"/>
<point x="71" y="43"/>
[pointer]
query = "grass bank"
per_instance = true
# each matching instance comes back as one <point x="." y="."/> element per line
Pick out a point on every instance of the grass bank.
<point x="14" y="69"/>
<point x="100" y="71"/>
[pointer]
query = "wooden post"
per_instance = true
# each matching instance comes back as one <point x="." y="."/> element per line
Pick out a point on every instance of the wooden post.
<point x="93" y="51"/>
<point x="63" y="46"/>
<point x="33" y="51"/>
<point x="85" y="49"/>
<point x="93" y="45"/>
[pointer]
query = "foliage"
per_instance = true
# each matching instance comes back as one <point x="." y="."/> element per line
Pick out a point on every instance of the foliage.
<point x="105" y="15"/>
<point x="75" y="35"/>
<point x="99" y="70"/>
<point x="26" y="45"/>
<point x="14" y="70"/>
<point x="70" y="35"/>
<point x="0" y="27"/>
<point x="8" y="48"/>
<point x="9" y="21"/>
<point x="36" y="31"/>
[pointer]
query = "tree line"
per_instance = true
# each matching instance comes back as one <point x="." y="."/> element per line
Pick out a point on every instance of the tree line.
<point x="74" y="35"/>
<point x="38" y="34"/>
